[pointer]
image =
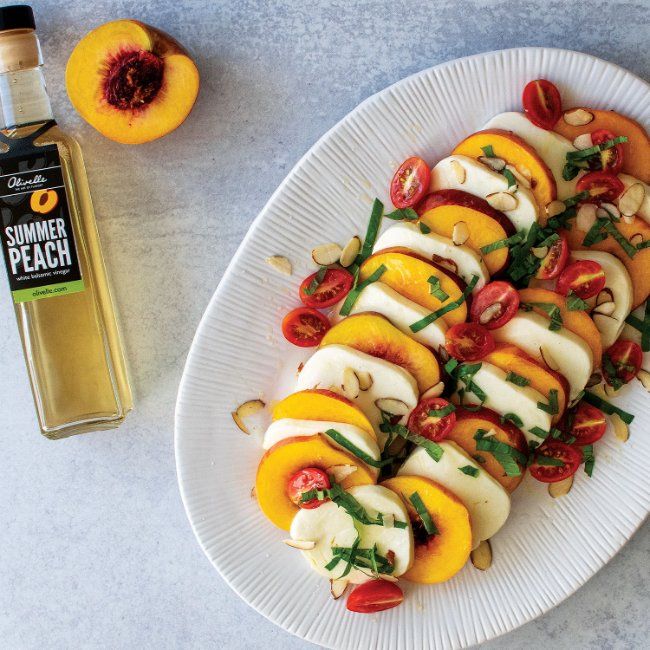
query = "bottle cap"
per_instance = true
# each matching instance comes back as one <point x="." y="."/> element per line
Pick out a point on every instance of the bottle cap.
<point x="17" y="17"/>
<point x="19" y="47"/>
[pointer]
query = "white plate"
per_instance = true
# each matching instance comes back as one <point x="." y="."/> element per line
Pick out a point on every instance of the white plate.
<point x="549" y="547"/>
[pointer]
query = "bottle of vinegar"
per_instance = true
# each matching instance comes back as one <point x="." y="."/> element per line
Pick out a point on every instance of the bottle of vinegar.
<point x="54" y="263"/>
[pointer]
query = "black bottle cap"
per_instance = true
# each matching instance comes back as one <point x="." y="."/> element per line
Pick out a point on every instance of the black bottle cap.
<point x="17" y="17"/>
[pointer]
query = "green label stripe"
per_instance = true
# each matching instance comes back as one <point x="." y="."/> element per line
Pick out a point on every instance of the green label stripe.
<point x="48" y="291"/>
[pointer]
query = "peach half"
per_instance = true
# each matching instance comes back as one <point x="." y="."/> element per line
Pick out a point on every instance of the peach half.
<point x="131" y="82"/>
<point x="437" y="557"/>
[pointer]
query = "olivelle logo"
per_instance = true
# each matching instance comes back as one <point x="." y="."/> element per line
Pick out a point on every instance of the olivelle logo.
<point x="17" y="183"/>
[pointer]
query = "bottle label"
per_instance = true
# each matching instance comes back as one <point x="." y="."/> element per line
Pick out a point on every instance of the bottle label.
<point x="37" y="237"/>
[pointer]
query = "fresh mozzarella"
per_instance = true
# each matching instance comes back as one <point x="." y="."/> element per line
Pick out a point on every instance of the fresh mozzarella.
<point x="400" y="311"/>
<point x="644" y="211"/>
<point x="632" y="334"/>
<point x="326" y="367"/>
<point x="480" y="180"/>
<point x="618" y="281"/>
<point x="329" y="525"/>
<point x="503" y="397"/>
<point x="485" y="499"/>
<point x="562" y="349"/>
<point x="467" y="261"/>
<point x="551" y="147"/>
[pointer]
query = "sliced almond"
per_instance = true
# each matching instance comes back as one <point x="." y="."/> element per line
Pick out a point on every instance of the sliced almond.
<point x="245" y="411"/>
<point x="583" y="141"/>
<point x="482" y="556"/>
<point x="605" y="295"/>
<point x="434" y="391"/>
<point x="253" y="493"/>
<point x="644" y="377"/>
<point x="578" y="117"/>
<point x="338" y="588"/>
<point x="606" y="308"/>
<point x="554" y="208"/>
<point x="497" y="164"/>
<point x="560" y="488"/>
<point x="490" y="313"/>
<point x="628" y="220"/>
<point x="548" y="358"/>
<point x="392" y="406"/>
<point x="326" y="254"/>
<point x="521" y="179"/>
<point x="586" y="216"/>
<point x="300" y="544"/>
<point x="636" y="239"/>
<point x="350" y="384"/>
<point x="459" y="171"/>
<point x="502" y="201"/>
<point x="280" y="264"/>
<point x="350" y="252"/>
<point x="460" y="233"/>
<point x="594" y="379"/>
<point x="630" y="201"/>
<point x="621" y="430"/>
<point x="365" y="379"/>
<point x="446" y="263"/>
<point x="540" y="252"/>
<point x="387" y="577"/>
<point x="340" y="472"/>
<point x="602" y="321"/>
<point x="608" y="210"/>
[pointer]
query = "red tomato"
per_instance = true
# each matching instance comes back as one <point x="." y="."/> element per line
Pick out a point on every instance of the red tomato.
<point x="542" y="103"/>
<point x="410" y="183"/>
<point x="305" y="327"/>
<point x="585" y="278"/>
<point x="603" y="187"/>
<point x="589" y="424"/>
<point x="310" y="478"/>
<point x="422" y="422"/>
<point x="374" y="596"/>
<point x="626" y="357"/>
<point x="335" y="284"/>
<point x="611" y="160"/>
<point x="571" y="458"/>
<point x="499" y="293"/>
<point x="555" y="260"/>
<point x="468" y="341"/>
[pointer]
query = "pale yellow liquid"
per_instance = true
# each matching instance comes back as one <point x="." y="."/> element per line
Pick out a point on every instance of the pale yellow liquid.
<point x="72" y="344"/>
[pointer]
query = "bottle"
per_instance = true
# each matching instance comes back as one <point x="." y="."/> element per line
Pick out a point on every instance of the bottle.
<point x="51" y="247"/>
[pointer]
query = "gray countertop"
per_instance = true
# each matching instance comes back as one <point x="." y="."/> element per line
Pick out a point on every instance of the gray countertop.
<point x="95" y="549"/>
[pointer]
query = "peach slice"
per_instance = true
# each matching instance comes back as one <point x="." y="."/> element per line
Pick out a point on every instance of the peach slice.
<point x="43" y="201"/>
<point x="375" y="335"/>
<point x="323" y="405"/>
<point x="408" y="274"/>
<point x="577" y="321"/>
<point x="131" y="82"/>
<point x="286" y="458"/>
<point x="512" y="359"/>
<point x="443" y="209"/>
<point x="517" y="152"/>
<point x="437" y="557"/>
<point x="636" y="151"/>
<point x="464" y="430"/>
<point x="638" y="266"/>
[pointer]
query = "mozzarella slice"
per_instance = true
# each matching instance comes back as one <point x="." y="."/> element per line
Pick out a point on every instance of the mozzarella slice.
<point x="563" y="350"/>
<point x="329" y="525"/>
<point x="400" y="311"/>
<point x="480" y="180"/>
<point x="325" y="368"/>
<point x="551" y="147"/>
<point x="485" y="499"/>
<point x="618" y="281"/>
<point x="633" y="334"/>
<point x="644" y="211"/>
<point x="467" y="261"/>
<point x="504" y="397"/>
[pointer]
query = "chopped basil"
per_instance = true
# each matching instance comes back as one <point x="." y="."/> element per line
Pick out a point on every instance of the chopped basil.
<point x="610" y="371"/>
<point x="432" y="448"/>
<point x="584" y="154"/>
<point x="508" y="457"/>
<point x="635" y="322"/>
<point x="552" y="408"/>
<point x="589" y="459"/>
<point x="479" y="459"/>
<point x="351" y="298"/>
<point x="516" y="379"/>
<point x="316" y="282"/>
<point x="512" y="181"/>
<point x="512" y="417"/>
<point x="643" y="244"/>
<point x="424" y="515"/>
<point x="424" y="229"/>
<point x="372" y="231"/>
<point x="488" y="151"/>
<point x="595" y="234"/>
<point x="575" y="303"/>
<point x="645" y="332"/>
<point x="353" y="449"/>
<point x="435" y="289"/>
<point x="574" y="200"/>
<point x="539" y="432"/>
<point x="402" y="214"/>
<point x="553" y="312"/>
<point x="451" y="365"/>
<point x="360" y="558"/>
<point x="469" y="470"/>
<point x="443" y="412"/>
<point x="607" y="407"/>
<point x="548" y="461"/>
<point x="570" y="171"/>
<point x="466" y="374"/>
<point x="503" y="243"/>
<point x="612" y="230"/>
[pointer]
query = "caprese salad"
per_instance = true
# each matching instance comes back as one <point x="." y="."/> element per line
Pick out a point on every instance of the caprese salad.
<point x="476" y="333"/>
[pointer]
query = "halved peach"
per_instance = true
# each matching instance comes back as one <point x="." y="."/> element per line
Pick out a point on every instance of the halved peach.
<point x="408" y="274"/>
<point x="43" y="201"/>
<point x="638" y="266"/>
<point x="517" y="152"/>
<point x="510" y="358"/>
<point x="131" y="82"/>
<point x="636" y="151"/>
<point x="443" y="209"/>
<point x="286" y="458"/>
<point x="323" y="405"/>
<point x="437" y="557"/>
<point x="465" y="428"/>
<point x="576" y="321"/>
<point x="375" y="335"/>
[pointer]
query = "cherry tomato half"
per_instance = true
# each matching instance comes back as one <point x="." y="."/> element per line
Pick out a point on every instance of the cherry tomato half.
<point x="310" y="478"/>
<point x="542" y="103"/>
<point x="335" y="285"/>
<point x="589" y="424"/>
<point x="585" y="278"/>
<point x="410" y="183"/>
<point x="374" y="596"/>
<point x="570" y="457"/>
<point x="555" y="260"/>
<point x="610" y="160"/>
<point x="305" y="327"/>
<point x="626" y="357"/>
<point x="468" y="341"/>
<point x="495" y="304"/>
<point x="424" y="422"/>
<point x="603" y="187"/>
